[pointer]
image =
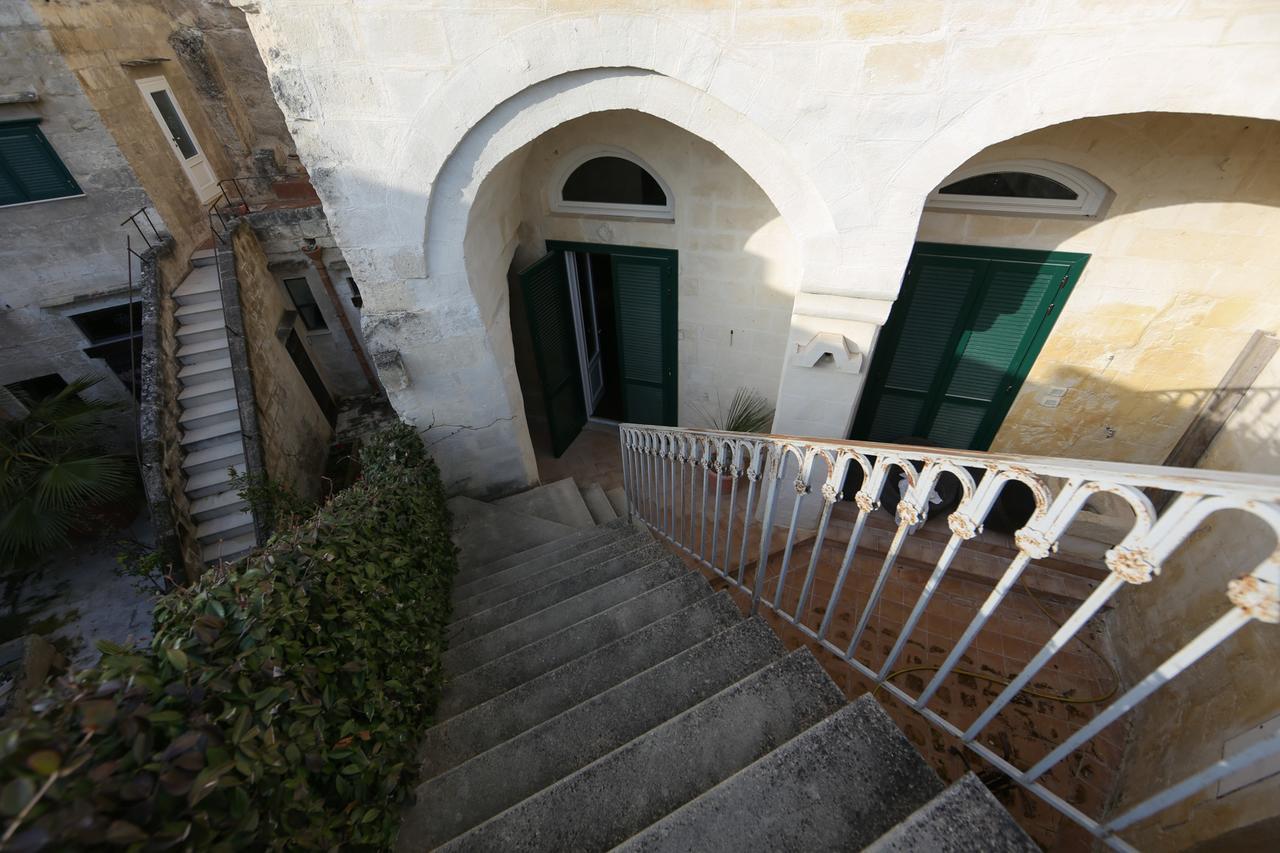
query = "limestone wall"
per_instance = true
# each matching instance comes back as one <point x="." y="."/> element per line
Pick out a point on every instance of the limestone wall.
<point x="739" y="265"/>
<point x="294" y="433"/>
<point x="63" y="255"/>
<point x="1181" y="273"/>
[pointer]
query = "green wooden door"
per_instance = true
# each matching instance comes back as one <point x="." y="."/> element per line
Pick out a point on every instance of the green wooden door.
<point x="644" y="287"/>
<point x="961" y="338"/>
<point x="545" y="288"/>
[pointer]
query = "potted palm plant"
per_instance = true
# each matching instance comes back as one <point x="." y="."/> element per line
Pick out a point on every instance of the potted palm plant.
<point x="748" y="411"/>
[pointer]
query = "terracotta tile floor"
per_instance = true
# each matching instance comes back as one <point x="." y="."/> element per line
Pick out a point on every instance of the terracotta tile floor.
<point x="1022" y="733"/>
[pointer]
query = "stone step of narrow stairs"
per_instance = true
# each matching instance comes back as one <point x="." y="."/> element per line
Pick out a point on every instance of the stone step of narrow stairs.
<point x="600" y="695"/>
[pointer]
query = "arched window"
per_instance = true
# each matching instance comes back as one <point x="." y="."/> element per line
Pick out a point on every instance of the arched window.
<point x="604" y="181"/>
<point x="1038" y="187"/>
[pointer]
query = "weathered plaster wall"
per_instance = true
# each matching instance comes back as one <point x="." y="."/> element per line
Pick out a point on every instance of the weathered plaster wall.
<point x="281" y="233"/>
<point x="1181" y="272"/>
<point x="1231" y="690"/>
<point x="844" y="115"/>
<point x="68" y="254"/>
<point x="739" y="265"/>
<point x="294" y="433"/>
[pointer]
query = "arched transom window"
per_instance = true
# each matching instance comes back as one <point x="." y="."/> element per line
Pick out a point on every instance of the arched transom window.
<point x="1038" y="187"/>
<point x="610" y="182"/>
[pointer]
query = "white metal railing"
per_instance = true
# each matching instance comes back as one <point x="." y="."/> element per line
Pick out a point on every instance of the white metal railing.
<point x="675" y="481"/>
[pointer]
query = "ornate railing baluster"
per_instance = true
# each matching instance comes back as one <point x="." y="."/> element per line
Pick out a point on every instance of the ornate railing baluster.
<point x="665" y="496"/>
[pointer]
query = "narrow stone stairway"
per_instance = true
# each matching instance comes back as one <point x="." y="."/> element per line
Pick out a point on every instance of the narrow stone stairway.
<point x="600" y="696"/>
<point x="212" y="445"/>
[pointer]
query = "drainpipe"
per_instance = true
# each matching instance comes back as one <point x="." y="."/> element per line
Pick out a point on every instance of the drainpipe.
<point x="312" y="251"/>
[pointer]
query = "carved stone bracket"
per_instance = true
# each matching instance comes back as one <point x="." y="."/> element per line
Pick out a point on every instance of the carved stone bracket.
<point x="844" y="354"/>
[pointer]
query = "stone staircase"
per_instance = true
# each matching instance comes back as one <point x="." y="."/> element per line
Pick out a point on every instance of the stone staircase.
<point x="600" y="695"/>
<point x="209" y="417"/>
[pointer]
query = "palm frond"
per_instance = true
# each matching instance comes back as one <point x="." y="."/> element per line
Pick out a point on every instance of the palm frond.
<point x="66" y="483"/>
<point x="749" y="411"/>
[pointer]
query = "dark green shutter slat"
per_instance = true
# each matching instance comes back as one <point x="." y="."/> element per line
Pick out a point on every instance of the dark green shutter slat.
<point x="29" y="168"/>
<point x="644" y="296"/>
<point x="960" y="340"/>
<point x="546" y="298"/>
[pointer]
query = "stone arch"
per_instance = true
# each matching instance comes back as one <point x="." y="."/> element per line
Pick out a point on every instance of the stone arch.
<point x="519" y="121"/>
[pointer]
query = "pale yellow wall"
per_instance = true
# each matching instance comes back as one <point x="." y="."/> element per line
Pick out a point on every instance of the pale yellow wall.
<point x="1182" y="270"/>
<point x="739" y="265"/>
<point x="1232" y="689"/>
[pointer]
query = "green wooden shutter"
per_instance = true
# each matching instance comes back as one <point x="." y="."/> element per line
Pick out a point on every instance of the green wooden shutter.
<point x="961" y="338"/>
<point x="989" y="365"/>
<point x="29" y="168"/>
<point x="545" y="288"/>
<point x="645" y="304"/>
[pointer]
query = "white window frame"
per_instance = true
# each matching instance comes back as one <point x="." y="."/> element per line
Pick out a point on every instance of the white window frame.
<point x="579" y="156"/>
<point x="1091" y="193"/>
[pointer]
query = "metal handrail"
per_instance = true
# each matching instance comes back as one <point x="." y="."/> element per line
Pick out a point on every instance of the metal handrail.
<point x="661" y="479"/>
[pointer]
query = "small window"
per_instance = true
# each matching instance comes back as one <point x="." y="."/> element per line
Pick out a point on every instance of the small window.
<point x="308" y="309"/>
<point x="1039" y="188"/>
<point x="356" y="299"/>
<point x="29" y="167"/>
<point x="610" y="182"/>
<point x="115" y="335"/>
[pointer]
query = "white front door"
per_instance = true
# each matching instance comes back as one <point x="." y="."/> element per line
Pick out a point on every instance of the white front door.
<point x="164" y="106"/>
<point x="582" y="297"/>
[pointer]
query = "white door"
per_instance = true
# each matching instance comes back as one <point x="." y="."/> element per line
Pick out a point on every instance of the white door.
<point x="583" y="299"/>
<point x="164" y="106"/>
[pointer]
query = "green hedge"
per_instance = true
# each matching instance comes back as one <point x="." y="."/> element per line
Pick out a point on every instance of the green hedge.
<point x="278" y="706"/>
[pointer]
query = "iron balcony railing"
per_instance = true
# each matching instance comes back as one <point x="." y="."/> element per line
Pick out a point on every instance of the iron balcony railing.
<point x="687" y="486"/>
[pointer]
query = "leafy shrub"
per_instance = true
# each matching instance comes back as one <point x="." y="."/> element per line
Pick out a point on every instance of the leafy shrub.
<point x="276" y="505"/>
<point x="279" y="703"/>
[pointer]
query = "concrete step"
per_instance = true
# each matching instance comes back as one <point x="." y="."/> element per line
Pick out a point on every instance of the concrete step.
<point x="213" y="482"/>
<point x="471" y="581"/>
<point x="204" y="330"/>
<point x="518" y="580"/>
<point x="216" y="457"/>
<point x="490" y="723"/>
<point x="484" y="532"/>
<point x="228" y="550"/>
<point x="549" y="587"/>
<point x="200" y="286"/>
<point x="559" y="501"/>
<point x="209" y="436"/>
<point x="466" y="656"/>
<point x="203" y="258"/>
<point x="204" y="393"/>
<point x="618" y="499"/>
<point x="205" y="509"/>
<point x="224" y="527"/>
<point x="195" y="417"/>
<point x="199" y="312"/>
<point x="470" y="793"/>
<point x="836" y="786"/>
<point x="616" y="796"/>
<point x="205" y="371"/>
<point x="210" y="350"/>
<point x="527" y="663"/>
<point x="964" y="817"/>
<point x="597" y="503"/>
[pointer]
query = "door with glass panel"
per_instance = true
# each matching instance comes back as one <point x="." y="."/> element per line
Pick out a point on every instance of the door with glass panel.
<point x="582" y="296"/>
<point x="177" y="130"/>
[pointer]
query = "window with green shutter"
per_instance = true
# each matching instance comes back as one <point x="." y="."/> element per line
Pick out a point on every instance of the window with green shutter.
<point x="961" y="338"/>
<point x="29" y="167"/>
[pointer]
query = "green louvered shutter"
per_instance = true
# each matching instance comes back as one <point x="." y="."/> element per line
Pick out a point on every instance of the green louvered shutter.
<point x="29" y="168"/>
<point x="645" y="304"/>
<point x="961" y="338"/>
<point x="546" y="299"/>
